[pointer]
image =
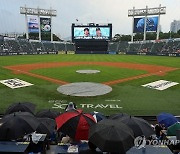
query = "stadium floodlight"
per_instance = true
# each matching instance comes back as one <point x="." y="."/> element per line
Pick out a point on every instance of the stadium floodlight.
<point x="38" y="11"/>
<point x="146" y="12"/>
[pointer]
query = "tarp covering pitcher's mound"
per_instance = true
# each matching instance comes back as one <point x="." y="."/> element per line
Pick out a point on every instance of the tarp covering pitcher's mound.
<point x="84" y="89"/>
<point x="87" y="71"/>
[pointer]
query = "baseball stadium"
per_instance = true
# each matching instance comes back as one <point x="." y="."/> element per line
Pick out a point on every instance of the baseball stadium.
<point x="96" y="70"/>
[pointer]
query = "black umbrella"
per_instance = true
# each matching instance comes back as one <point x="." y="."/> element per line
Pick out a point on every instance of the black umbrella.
<point x="139" y="126"/>
<point x="16" y="125"/>
<point x="111" y="136"/>
<point x="47" y="113"/>
<point x="46" y="126"/>
<point x="23" y="107"/>
<point x="118" y="116"/>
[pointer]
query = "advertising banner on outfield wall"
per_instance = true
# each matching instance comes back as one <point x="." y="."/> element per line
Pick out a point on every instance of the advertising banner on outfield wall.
<point x="33" y="24"/>
<point x="45" y="24"/>
<point x="151" y="24"/>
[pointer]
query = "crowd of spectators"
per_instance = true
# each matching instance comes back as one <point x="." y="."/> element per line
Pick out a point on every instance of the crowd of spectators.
<point x="56" y="137"/>
<point x="23" y="45"/>
<point x="162" y="46"/>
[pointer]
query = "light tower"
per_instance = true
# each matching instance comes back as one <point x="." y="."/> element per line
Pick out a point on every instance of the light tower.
<point x="145" y="13"/>
<point x="38" y="12"/>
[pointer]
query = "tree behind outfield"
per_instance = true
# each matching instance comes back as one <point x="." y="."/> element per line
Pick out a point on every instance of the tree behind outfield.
<point x="44" y="37"/>
<point x="149" y="36"/>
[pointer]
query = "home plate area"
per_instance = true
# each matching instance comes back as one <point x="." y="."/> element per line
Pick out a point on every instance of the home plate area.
<point x="84" y="89"/>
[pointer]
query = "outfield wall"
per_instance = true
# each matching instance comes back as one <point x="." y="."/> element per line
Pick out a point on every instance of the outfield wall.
<point x="153" y="54"/>
<point x="26" y="53"/>
<point x="105" y="52"/>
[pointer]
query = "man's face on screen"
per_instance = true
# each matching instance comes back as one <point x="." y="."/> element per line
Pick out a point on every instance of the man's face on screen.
<point x="98" y="33"/>
<point x="86" y="33"/>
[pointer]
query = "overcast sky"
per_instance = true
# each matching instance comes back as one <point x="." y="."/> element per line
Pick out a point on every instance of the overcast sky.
<point x="86" y="11"/>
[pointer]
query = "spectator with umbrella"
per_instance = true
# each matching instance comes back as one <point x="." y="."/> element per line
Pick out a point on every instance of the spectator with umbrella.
<point x="46" y="126"/>
<point x="14" y="126"/>
<point x="118" y="116"/>
<point x="158" y="128"/>
<point x="23" y="107"/>
<point x="171" y="131"/>
<point x="75" y="124"/>
<point x="139" y="126"/>
<point x="47" y="113"/>
<point x="166" y="119"/>
<point x="111" y="136"/>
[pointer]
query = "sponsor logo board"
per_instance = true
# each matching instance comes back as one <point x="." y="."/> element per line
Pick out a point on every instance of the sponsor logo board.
<point x="160" y="85"/>
<point x="15" y="83"/>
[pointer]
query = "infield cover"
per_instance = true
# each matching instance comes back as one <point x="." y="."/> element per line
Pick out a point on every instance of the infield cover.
<point x="84" y="89"/>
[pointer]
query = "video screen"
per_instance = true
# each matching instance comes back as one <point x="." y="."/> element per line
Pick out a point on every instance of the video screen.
<point x="151" y="24"/>
<point x="33" y="25"/>
<point x="45" y="24"/>
<point x="98" y="33"/>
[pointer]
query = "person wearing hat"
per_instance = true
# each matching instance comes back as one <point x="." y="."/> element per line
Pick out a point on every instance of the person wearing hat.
<point x="71" y="106"/>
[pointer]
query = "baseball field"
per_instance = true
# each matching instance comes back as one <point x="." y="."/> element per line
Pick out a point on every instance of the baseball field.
<point x="125" y="74"/>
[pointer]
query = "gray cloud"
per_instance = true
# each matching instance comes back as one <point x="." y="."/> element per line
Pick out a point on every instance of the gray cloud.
<point x="98" y="11"/>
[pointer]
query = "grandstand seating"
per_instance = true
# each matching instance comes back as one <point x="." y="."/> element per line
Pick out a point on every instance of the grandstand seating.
<point x="158" y="46"/>
<point x="113" y="47"/>
<point x="49" y="47"/>
<point x="1" y="45"/>
<point x="146" y="47"/>
<point x="164" y="46"/>
<point x="60" y="46"/>
<point x="70" y="47"/>
<point x="171" y="46"/>
<point x="12" y="45"/>
<point x="38" y="46"/>
<point x="135" y="47"/>
<point x="123" y="46"/>
<point x="25" y="45"/>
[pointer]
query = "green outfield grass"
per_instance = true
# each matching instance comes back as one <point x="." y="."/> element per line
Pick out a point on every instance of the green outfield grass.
<point x="131" y="96"/>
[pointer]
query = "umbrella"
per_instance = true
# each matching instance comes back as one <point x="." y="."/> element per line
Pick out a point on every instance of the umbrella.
<point x="47" y="113"/>
<point x="16" y="125"/>
<point x="46" y="126"/>
<point x="98" y="116"/>
<point x="166" y="119"/>
<point x="118" y="116"/>
<point x="171" y="131"/>
<point x="23" y="107"/>
<point x="75" y="124"/>
<point x="111" y="136"/>
<point x="139" y="126"/>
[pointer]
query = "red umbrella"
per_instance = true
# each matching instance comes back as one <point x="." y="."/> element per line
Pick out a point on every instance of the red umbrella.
<point x="75" y="124"/>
